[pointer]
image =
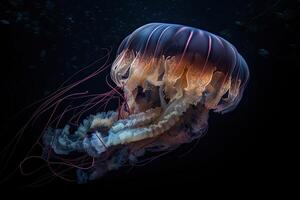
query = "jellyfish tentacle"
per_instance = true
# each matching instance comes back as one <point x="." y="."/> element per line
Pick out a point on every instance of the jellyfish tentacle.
<point x="103" y="120"/>
<point x="136" y="120"/>
<point x="63" y="142"/>
<point x="163" y="102"/>
<point x="161" y="125"/>
<point x="94" y="143"/>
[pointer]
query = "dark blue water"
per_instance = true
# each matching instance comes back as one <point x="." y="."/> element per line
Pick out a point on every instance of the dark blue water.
<point x="45" y="42"/>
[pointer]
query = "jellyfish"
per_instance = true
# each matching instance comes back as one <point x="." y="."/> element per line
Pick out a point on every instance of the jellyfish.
<point x="171" y="77"/>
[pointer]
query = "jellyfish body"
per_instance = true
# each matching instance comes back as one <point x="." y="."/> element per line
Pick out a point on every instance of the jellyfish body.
<point x="172" y="76"/>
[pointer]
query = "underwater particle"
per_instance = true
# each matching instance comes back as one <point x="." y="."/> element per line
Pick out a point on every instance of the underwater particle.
<point x="3" y="21"/>
<point x="285" y="15"/>
<point x="86" y="41"/>
<point x="46" y="92"/>
<point x="50" y="5"/>
<point x="31" y="67"/>
<point x="71" y="20"/>
<point x="19" y="17"/>
<point x="74" y="58"/>
<point x="43" y="53"/>
<point x="226" y="33"/>
<point x="74" y="66"/>
<point x="263" y="52"/>
<point x="293" y="46"/>
<point x="239" y="23"/>
<point x="252" y="27"/>
<point x="36" y="29"/>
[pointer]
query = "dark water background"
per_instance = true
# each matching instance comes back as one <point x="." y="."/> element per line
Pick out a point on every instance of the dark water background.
<point x="44" y="42"/>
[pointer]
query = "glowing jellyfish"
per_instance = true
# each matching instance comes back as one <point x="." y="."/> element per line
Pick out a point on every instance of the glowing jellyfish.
<point x="172" y="76"/>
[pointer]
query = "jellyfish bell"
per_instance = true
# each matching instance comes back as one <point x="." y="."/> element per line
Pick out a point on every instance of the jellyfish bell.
<point x="172" y="76"/>
<point x="184" y="63"/>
